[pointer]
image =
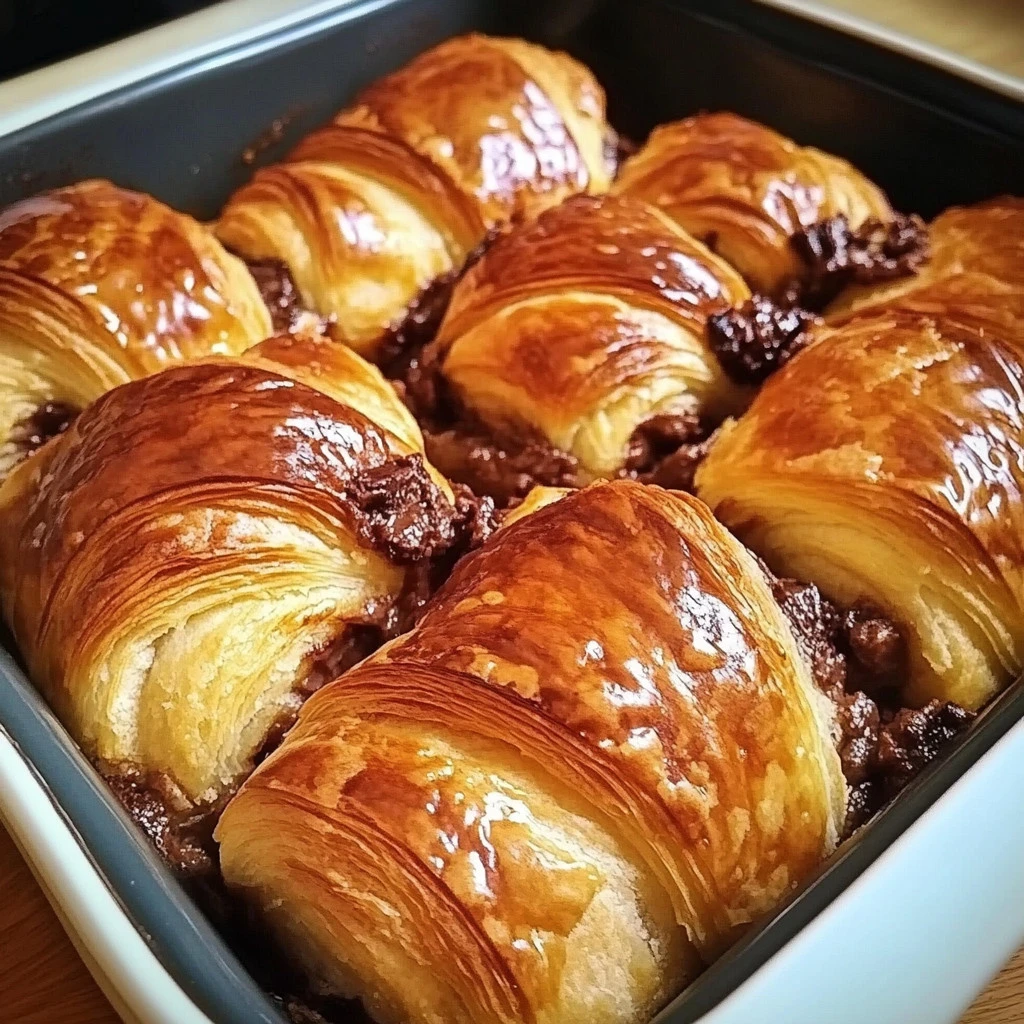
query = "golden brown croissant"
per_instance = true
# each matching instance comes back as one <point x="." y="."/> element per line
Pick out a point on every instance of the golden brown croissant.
<point x="884" y="463"/>
<point x="977" y="261"/>
<point x="371" y="210"/>
<point x="177" y="564"/>
<point x="100" y="285"/>
<point x="558" y="792"/>
<point x="581" y="326"/>
<point x="749" y="192"/>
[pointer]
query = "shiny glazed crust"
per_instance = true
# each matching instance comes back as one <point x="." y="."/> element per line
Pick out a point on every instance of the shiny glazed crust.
<point x="172" y="564"/>
<point x="100" y="285"/>
<point x="976" y="265"/>
<point x="368" y="211"/>
<point x="582" y="324"/>
<point x="885" y="463"/>
<point x="745" y="190"/>
<point x="561" y="789"/>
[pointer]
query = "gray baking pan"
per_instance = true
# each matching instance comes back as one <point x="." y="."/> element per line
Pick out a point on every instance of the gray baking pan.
<point x="930" y="137"/>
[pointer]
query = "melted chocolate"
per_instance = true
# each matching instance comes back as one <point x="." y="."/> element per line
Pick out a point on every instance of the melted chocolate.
<point x="666" y="450"/>
<point x="402" y="343"/>
<point x="181" y="831"/>
<point x="837" y="255"/>
<point x="404" y="514"/>
<point x="505" y="472"/>
<point x="277" y="286"/>
<point x="46" y="422"/>
<point x="752" y="341"/>
<point x="852" y="654"/>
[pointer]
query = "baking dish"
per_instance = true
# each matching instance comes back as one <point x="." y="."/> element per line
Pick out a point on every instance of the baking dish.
<point x="180" y="133"/>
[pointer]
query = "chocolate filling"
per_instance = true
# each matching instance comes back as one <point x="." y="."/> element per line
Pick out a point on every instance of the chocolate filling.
<point x="181" y="831"/>
<point x="46" y="422"/>
<point x="280" y="294"/>
<point x="404" y="514"/>
<point x="752" y="341"/>
<point x="667" y="449"/>
<point x="837" y="255"/>
<point x="858" y="659"/>
<point x="506" y="473"/>
<point x="402" y="344"/>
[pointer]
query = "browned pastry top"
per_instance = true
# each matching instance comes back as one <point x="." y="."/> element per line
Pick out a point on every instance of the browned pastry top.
<point x="504" y="118"/>
<point x="607" y="244"/>
<point x="236" y="430"/>
<point x="154" y="278"/>
<point x="933" y="405"/>
<point x="684" y="680"/>
<point x="746" y="190"/>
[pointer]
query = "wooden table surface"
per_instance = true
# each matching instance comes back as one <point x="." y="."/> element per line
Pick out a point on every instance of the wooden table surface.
<point x="42" y="980"/>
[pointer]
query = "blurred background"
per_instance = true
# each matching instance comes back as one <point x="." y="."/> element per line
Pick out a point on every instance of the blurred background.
<point x="37" y="32"/>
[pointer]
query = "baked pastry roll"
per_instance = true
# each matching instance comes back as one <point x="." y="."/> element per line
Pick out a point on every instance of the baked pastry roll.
<point x="558" y="793"/>
<point x="371" y="210"/>
<point x="977" y="263"/>
<point x="100" y="285"/>
<point x="883" y="463"/>
<point x="582" y="325"/>
<point x="750" y="194"/>
<point x="200" y="546"/>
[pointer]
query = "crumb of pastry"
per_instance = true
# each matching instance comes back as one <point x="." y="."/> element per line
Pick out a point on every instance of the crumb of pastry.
<point x="836" y="255"/>
<point x="752" y="341"/>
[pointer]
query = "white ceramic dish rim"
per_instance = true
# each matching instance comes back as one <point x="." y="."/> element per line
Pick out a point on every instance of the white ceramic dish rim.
<point x="988" y="800"/>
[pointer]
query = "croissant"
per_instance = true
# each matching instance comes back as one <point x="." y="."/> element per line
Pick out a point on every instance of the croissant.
<point x="583" y="325"/>
<point x="100" y="285"/>
<point x="370" y="211"/>
<point x="559" y="793"/>
<point x="773" y="209"/>
<point x="977" y="257"/>
<point x="883" y="463"/>
<point x="181" y="565"/>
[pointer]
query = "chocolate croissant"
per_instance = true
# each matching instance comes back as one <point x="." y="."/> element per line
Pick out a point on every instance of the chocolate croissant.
<point x="100" y="285"/>
<point x="781" y="213"/>
<point x="581" y="326"/>
<point x="370" y="211"/>
<point x="200" y="546"/>
<point x="559" y="793"/>
<point x="884" y="463"/>
<point x="977" y="261"/>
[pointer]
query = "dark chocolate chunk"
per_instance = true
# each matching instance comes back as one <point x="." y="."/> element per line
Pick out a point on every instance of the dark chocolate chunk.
<point x="280" y="294"/>
<point x="504" y="472"/>
<point x="837" y="255"/>
<point x="403" y="341"/>
<point x="752" y="341"/>
<point x="657" y="438"/>
<point x="913" y="738"/>
<point x="46" y="422"/>
<point x="859" y="722"/>
<point x="402" y="512"/>
<point x="875" y="646"/>
<point x="815" y="623"/>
